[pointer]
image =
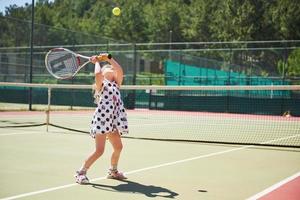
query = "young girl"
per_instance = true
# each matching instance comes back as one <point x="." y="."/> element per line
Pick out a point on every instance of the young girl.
<point x="110" y="118"/>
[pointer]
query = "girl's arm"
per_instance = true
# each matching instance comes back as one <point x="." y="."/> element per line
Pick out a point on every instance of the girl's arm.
<point x="98" y="74"/>
<point x="117" y="70"/>
<point x="98" y="81"/>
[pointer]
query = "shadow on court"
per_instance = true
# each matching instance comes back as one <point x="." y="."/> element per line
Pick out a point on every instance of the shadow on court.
<point x="133" y="187"/>
<point x="12" y="122"/>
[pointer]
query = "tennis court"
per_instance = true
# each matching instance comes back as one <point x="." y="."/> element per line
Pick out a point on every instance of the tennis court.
<point x="37" y="164"/>
<point x="213" y="102"/>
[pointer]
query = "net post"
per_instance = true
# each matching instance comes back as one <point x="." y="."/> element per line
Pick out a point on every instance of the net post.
<point x="48" y="108"/>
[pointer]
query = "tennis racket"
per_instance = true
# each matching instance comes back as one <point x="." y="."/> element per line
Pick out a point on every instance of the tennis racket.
<point x="64" y="64"/>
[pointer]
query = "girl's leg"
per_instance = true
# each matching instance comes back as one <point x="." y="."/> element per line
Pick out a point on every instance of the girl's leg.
<point x="99" y="144"/>
<point x="116" y="142"/>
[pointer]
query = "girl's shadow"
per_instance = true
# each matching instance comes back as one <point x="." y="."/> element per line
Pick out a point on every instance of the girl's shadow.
<point x="133" y="187"/>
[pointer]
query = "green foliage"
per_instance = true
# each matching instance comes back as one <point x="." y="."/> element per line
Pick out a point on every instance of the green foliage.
<point x="294" y="63"/>
<point x="148" y="78"/>
<point x="130" y="25"/>
<point x="62" y="22"/>
<point x="238" y="20"/>
<point x="197" y="20"/>
<point x="285" y="18"/>
<point x="292" y="67"/>
<point x="281" y="66"/>
<point x="162" y="17"/>
<point x="152" y="21"/>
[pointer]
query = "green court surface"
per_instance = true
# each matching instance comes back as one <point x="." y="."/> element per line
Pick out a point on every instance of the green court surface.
<point x="36" y="164"/>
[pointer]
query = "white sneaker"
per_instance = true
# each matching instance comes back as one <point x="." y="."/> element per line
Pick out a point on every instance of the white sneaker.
<point x="115" y="174"/>
<point x="81" y="177"/>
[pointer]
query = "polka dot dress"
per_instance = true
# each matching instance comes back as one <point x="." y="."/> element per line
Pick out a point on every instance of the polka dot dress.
<point x="110" y="114"/>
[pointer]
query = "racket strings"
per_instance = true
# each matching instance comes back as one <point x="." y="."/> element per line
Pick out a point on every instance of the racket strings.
<point x="62" y="64"/>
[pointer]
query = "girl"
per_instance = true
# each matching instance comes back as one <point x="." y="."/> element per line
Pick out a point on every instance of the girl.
<point x="110" y="118"/>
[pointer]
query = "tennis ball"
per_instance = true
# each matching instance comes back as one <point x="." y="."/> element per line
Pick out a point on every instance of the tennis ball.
<point x="116" y="11"/>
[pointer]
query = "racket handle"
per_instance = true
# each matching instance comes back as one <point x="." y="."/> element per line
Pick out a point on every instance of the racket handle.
<point x="109" y="56"/>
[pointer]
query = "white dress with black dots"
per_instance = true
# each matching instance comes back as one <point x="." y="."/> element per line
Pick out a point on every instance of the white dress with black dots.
<point x="110" y="113"/>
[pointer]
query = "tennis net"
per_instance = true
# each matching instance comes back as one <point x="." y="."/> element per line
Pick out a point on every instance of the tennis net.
<point x="258" y="115"/>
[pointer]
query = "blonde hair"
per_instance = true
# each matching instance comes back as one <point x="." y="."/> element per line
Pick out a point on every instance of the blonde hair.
<point x="94" y="90"/>
<point x="96" y="93"/>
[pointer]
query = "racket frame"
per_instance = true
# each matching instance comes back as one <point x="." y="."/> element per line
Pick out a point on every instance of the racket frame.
<point x="77" y="55"/>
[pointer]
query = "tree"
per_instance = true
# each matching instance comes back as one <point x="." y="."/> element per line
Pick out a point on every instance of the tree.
<point x="162" y="17"/>
<point x="293" y="68"/>
<point x="197" y="18"/>
<point x="285" y="17"/>
<point x="130" y="26"/>
<point x="18" y="31"/>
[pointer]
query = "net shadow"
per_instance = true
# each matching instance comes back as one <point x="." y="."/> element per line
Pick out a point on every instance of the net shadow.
<point x="13" y="124"/>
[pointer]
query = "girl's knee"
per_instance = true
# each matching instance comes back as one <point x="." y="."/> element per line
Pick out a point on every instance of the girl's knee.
<point x="98" y="152"/>
<point x="118" y="147"/>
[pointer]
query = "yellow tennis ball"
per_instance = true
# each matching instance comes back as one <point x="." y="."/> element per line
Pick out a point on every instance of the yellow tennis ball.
<point x="116" y="11"/>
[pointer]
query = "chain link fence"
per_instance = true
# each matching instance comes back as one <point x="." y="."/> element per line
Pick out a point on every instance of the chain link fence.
<point x="194" y="63"/>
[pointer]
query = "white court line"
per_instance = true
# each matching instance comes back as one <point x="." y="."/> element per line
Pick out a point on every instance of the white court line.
<point x="130" y="172"/>
<point x="155" y="124"/>
<point x="279" y="139"/>
<point x="142" y="169"/>
<point x="274" y="187"/>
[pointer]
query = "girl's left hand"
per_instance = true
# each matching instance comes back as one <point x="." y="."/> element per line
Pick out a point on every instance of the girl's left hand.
<point x="94" y="59"/>
<point x="103" y="57"/>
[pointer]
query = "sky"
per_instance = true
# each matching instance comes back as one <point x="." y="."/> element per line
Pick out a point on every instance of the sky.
<point x="6" y="3"/>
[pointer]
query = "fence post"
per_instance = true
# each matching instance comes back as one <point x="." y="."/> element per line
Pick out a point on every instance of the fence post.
<point x="170" y="43"/>
<point x="107" y="46"/>
<point x="180" y="68"/>
<point x="131" y="95"/>
<point x="31" y="53"/>
<point x="134" y="64"/>
<point x="285" y="65"/>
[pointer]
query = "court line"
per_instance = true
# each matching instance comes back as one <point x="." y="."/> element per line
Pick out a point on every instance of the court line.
<point x="274" y="187"/>
<point x="142" y="169"/>
<point x="279" y="139"/>
<point x="130" y="172"/>
<point x="161" y="124"/>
